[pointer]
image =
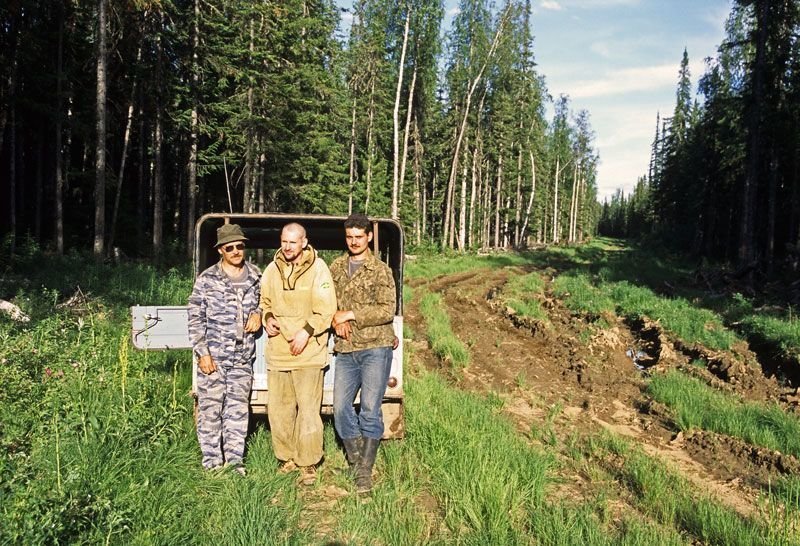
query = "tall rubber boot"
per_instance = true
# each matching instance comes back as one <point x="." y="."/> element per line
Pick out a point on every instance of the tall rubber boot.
<point x="369" y="451"/>
<point x="352" y="451"/>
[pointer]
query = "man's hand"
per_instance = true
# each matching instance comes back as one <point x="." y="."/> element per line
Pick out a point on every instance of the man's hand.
<point x="343" y="330"/>
<point x="341" y="323"/>
<point x="207" y="365"/>
<point x="272" y="327"/>
<point x="253" y="323"/>
<point x="298" y="342"/>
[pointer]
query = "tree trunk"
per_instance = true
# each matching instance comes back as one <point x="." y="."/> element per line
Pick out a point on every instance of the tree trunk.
<point x="158" y="176"/>
<point x="499" y="190"/>
<point x="555" y="203"/>
<point x="143" y="189"/>
<point x="530" y="197"/>
<point x="405" y="138"/>
<point x="418" y="189"/>
<point x="462" y="213"/>
<point x="396" y="120"/>
<point x="448" y="205"/>
<point x="100" y="145"/>
<point x="191" y="171"/>
<point x="59" y="189"/>
<point x="12" y="161"/>
<point x="572" y="210"/>
<point x="37" y="226"/>
<point x="125" y="145"/>
<point x="518" y="201"/>
<point x="771" y="211"/>
<point x="747" y="239"/>
<point x="472" y="197"/>
<point x="370" y="145"/>
<point x="352" y="159"/>
<point x="249" y="167"/>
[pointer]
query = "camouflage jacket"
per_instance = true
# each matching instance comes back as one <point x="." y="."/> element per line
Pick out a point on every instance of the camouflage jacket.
<point x="371" y="295"/>
<point x="217" y="316"/>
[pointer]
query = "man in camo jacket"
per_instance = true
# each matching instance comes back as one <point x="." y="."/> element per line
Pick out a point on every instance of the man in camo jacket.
<point x="224" y="319"/>
<point x="367" y="301"/>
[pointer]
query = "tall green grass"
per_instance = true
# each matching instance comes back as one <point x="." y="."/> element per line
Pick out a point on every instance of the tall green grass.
<point x="580" y="295"/>
<point x="696" y="405"/>
<point x="98" y="440"/>
<point x="443" y="341"/>
<point x="431" y="266"/>
<point x="664" y="495"/>
<point x="522" y="293"/>
<point x="780" y="328"/>
<point x="687" y="322"/>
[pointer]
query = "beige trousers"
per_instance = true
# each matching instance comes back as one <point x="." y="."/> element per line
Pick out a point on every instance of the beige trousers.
<point x="295" y="399"/>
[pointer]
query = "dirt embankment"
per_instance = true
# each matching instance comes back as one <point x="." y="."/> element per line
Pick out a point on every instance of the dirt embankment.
<point x="575" y="378"/>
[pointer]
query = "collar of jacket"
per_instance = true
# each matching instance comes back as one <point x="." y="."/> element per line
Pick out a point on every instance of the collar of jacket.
<point x="369" y="260"/>
<point x="295" y="271"/>
<point x="253" y="276"/>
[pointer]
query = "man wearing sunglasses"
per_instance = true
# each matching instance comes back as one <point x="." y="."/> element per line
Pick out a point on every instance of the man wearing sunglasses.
<point x="298" y="301"/>
<point x="224" y="319"/>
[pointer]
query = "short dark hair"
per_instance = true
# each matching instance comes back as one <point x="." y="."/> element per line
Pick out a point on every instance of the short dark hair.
<point x="359" y="221"/>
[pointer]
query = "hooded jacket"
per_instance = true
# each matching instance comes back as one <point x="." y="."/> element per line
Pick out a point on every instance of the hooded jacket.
<point x="299" y="296"/>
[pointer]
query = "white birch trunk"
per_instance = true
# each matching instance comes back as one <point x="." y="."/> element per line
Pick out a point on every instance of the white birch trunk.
<point x="396" y="119"/>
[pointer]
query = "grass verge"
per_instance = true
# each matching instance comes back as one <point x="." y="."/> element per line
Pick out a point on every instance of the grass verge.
<point x="696" y="405"/>
<point x="664" y="495"/>
<point x="443" y="341"/>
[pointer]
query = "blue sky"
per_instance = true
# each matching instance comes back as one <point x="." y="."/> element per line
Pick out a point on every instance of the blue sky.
<point x="619" y="60"/>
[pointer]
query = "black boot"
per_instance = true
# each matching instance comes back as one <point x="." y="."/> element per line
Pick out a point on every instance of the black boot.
<point x="364" y="470"/>
<point x="352" y="450"/>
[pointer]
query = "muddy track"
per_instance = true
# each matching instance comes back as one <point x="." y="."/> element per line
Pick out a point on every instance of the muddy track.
<point x="574" y="379"/>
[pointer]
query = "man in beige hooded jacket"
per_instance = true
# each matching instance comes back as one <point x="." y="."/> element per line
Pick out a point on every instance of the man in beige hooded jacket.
<point x="298" y="301"/>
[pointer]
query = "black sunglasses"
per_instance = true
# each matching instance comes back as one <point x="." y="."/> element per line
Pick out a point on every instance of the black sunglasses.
<point x="231" y="248"/>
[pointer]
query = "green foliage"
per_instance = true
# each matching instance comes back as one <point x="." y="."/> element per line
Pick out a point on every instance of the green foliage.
<point x="522" y="294"/>
<point x="696" y="405"/>
<point x="484" y="477"/>
<point x="780" y="329"/>
<point x="580" y="295"/>
<point x="431" y="266"/>
<point x="664" y="495"/>
<point x="443" y="341"/>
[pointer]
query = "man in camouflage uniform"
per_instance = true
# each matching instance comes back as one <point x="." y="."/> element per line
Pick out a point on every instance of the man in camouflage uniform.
<point x="224" y="319"/>
<point x="366" y="295"/>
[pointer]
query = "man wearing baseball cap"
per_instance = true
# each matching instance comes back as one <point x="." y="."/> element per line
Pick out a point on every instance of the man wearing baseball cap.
<point x="224" y="319"/>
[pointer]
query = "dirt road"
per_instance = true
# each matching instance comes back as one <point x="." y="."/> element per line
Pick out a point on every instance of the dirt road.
<point x="570" y="378"/>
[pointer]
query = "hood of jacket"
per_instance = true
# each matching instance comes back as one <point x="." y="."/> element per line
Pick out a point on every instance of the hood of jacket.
<point x="290" y="272"/>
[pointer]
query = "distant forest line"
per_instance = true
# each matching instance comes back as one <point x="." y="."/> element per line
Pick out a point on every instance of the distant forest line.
<point x="724" y="175"/>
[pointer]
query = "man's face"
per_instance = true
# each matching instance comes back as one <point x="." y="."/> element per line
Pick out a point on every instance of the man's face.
<point x="292" y="244"/>
<point x="232" y="253"/>
<point x="357" y="241"/>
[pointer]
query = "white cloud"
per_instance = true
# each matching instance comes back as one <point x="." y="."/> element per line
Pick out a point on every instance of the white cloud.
<point x="601" y="48"/>
<point x="626" y="80"/>
<point x="551" y="5"/>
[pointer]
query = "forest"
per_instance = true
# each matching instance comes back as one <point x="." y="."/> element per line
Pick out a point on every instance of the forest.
<point x="122" y="122"/>
<point x="723" y="181"/>
<point x="622" y="372"/>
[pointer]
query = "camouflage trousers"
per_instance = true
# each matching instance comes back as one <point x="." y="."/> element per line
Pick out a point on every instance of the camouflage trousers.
<point x="295" y="399"/>
<point x="223" y="399"/>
